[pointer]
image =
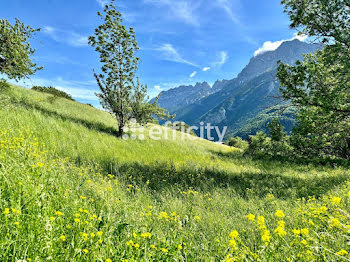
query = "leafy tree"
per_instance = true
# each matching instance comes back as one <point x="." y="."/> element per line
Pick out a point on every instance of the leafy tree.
<point x="120" y="95"/>
<point x="276" y="130"/>
<point x="320" y="85"/>
<point x="15" y="50"/>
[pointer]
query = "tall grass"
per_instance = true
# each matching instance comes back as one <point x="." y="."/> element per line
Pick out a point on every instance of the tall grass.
<point x="71" y="190"/>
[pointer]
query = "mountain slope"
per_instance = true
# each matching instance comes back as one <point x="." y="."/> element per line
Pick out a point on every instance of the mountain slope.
<point x="244" y="97"/>
<point x="183" y="96"/>
<point x="71" y="191"/>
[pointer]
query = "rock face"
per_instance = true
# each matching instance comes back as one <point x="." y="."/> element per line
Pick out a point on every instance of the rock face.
<point x="235" y="102"/>
<point x="182" y="96"/>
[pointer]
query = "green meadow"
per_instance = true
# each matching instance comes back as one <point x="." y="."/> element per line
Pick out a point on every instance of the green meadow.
<point x="70" y="190"/>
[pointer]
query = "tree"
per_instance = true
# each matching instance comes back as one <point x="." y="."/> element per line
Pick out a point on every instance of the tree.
<point x="320" y="85"/>
<point x="120" y="95"/>
<point x="15" y="50"/>
<point x="276" y="130"/>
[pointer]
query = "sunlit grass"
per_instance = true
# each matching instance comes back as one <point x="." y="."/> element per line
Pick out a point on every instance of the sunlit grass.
<point x="71" y="190"/>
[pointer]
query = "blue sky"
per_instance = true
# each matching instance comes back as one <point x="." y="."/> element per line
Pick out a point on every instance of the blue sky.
<point x="181" y="41"/>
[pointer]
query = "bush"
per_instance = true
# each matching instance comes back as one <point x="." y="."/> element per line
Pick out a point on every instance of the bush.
<point x="259" y="144"/>
<point x="4" y="85"/>
<point x="53" y="91"/>
<point x="237" y="142"/>
<point x="277" y="146"/>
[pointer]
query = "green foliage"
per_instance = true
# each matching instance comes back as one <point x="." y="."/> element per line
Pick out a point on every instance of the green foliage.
<point x="237" y="142"/>
<point x="276" y="146"/>
<point x="53" y="91"/>
<point x="120" y="95"/>
<point x="259" y="145"/>
<point x="319" y="86"/>
<point x="143" y="111"/>
<point x="4" y="85"/>
<point x="15" y="50"/>
<point x="276" y="130"/>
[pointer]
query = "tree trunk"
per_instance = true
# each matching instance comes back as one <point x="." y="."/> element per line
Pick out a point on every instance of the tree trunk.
<point x="120" y="130"/>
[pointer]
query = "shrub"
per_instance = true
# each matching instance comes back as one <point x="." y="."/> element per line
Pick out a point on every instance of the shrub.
<point x="4" y="85"/>
<point x="53" y="91"/>
<point x="237" y="142"/>
<point x="259" y="144"/>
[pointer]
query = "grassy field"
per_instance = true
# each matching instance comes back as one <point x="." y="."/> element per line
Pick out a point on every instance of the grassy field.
<point x="71" y="191"/>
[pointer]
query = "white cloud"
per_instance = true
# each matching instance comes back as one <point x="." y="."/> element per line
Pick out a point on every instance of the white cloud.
<point x="171" y="54"/>
<point x="271" y="46"/>
<point x="206" y="69"/>
<point x="158" y="88"/>
<point x="193" y="74"/>
<point x="227" y="6"/>
<point x="179" y="9"/>
<point x="65" y="36"/>
<point x="222" y="59"/>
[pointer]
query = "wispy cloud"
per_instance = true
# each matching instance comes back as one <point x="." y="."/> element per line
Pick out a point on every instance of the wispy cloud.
<point x="193" y="74"/>
<point x="158" y="88"/>
<point x="65" y="36"/>
<point x="169" y="53"/>
<point x="206" y="69"/>
<point x="58" y="59"/>
<point x="222" y="59"/>
<point x="271" y="46"/>
<point x="227" y="6"/>
<point x="102" y="3"/>
<point x="180" y="9"/>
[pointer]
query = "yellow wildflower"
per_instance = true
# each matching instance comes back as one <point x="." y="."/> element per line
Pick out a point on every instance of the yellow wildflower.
<point x="265" y="237"/>
<point x="323" y="209"/>
<point x="63" y="238"/>
<point x="342" y="252"/>
<point x="232" y="244"/>
<point x="296" y="231"/>
<point x="85" y="251"/>
<point x="279" y="214"/>
<point x="99" y="233"/>
<point x="7" y="211"/>
<point x="234" y="234"/>
<point x="250" y="217"/>
<point x="146" y="235"/>
<point x="334" y="222"/>
<point x="304" y="231"/>
<point x="108" y="260"/>
<point x="280" y="231"/>
<point x="153" y="247"/>
<point x="85" y="236"/>
<point x="179" y="247"/>
<point x="52" y="219"/>
<point x="335" y="200"/>
<point x="164" y="250"/>
<point x="58" y="213"/>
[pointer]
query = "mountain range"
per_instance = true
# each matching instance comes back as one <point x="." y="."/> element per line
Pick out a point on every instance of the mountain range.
<point x="244" y="104"/>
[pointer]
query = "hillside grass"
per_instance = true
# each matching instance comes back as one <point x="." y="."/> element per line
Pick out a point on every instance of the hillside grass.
<point x="71" y="190"/>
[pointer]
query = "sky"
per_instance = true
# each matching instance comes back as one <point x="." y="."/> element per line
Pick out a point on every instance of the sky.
<point x="181" y="41"/>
